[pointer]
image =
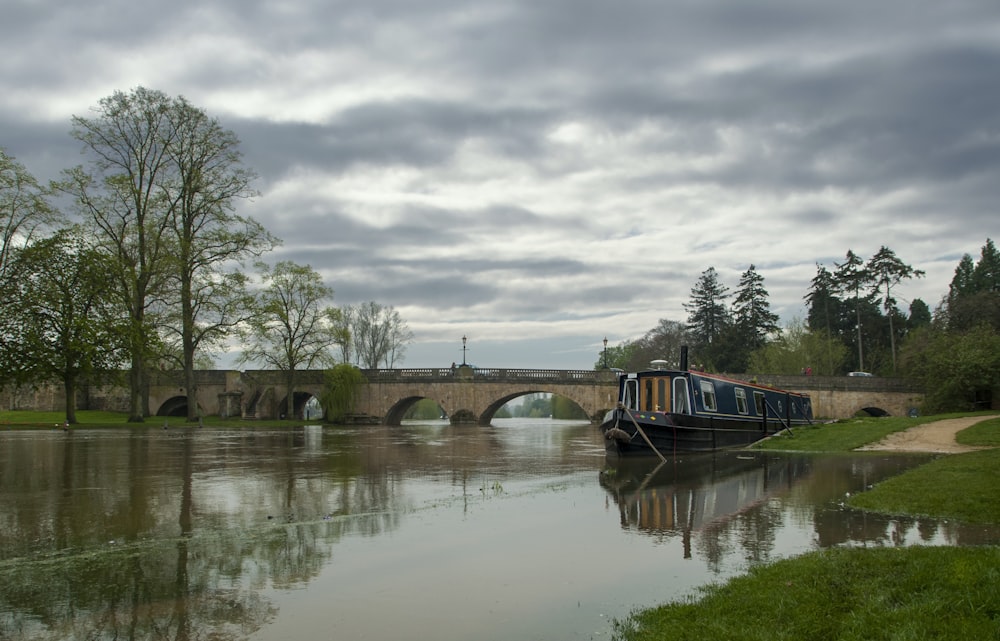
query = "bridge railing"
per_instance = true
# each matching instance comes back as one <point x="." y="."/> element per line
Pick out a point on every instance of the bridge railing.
<point x="499" y="374"/>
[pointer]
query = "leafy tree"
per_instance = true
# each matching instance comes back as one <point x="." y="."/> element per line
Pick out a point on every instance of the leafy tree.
<point x="206" y="177"/>
<point x="663" y="342"/>
<point x="887" y="271"/>
<point x="127" y="198"/>
<point x="959" y="370"/>
<point x="797" y="348"/>
<point x="852" y="277"/>
<point x="378" y="333"/>
<point x="707" y="312"/>
<point x="70" y="328"/>
<point x="339" y="397"/>
<point x="292" y="329"/>
<point x="621" y="356"/>
<point x="24" y="209"/>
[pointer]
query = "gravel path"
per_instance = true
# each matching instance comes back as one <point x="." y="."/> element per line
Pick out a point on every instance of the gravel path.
<point x="938" y="436"/>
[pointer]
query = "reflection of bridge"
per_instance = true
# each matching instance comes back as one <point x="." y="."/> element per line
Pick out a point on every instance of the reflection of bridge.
<point x="466" y="394"/>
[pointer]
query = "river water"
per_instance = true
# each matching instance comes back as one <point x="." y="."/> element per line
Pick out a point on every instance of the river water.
<point x="520" y="530"/>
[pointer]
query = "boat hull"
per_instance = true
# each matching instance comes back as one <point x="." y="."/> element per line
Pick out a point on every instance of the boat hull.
<point x="630" y="433"/>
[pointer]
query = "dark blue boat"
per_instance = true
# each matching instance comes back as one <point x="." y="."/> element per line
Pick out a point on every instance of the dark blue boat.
<point x="663" y="411"/>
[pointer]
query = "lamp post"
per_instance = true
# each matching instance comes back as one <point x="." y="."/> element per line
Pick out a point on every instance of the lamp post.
<point x="605" y="352"/>
<point x="464" y="339"/>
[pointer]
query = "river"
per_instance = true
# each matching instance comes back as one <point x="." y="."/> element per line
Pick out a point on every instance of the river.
<point x="521" y="530"/>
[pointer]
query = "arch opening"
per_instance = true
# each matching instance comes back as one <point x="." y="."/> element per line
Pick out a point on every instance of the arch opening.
<point x="872" y="411"/>
<point x="174" y="406"/>
<point x="305" y="406"/>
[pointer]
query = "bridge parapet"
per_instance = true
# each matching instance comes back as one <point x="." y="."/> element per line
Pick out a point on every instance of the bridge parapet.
<point x="496" y="374"/>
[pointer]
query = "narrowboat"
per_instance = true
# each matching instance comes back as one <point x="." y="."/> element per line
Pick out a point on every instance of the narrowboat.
<point x="662" y="411"/>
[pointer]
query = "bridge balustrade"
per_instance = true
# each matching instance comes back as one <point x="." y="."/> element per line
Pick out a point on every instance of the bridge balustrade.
<point x="462" y="373"/>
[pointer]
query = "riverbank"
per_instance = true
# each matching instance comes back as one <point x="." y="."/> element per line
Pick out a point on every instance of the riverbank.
<point x="868" y="594"/>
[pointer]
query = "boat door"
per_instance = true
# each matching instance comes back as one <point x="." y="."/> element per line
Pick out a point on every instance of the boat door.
<point x="682" y="404"/>
<point x="630" y="393"/>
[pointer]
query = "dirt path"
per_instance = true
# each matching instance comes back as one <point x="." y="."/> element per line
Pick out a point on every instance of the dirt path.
<point x="938" y="436"/>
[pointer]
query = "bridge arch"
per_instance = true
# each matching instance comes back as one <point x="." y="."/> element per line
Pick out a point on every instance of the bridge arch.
<point x="174" y="406"/>
<point x="872" y="411"/>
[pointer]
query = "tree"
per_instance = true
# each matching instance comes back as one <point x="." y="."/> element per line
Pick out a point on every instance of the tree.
<point x="826" y="310"/>
<point x="340" y="391"/>
<point x="974" y="294"/>
<point x="887" y="271"/>
<point x="621" y="356"/>
<point x="707" y="313"/>
<point x="754" y="320"/>
<point x="207" y="176"/>
<point x="70" y="326"/>
<point x="852" y="277"/>
<point x="959" y="370"/>
<point x="986" y="275"/>
<point x="24" y="209"/>
<point x="292" y="328"/>
<point x="126" y="199"/>
<point x="799" y="347"/>
<point x="663" y="342"/>
<point x="920" y="315"/>
<point x="378" y="333"/>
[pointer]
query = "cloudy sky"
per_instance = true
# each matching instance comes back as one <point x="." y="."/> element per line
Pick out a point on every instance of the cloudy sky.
<point x="540" y="174"/>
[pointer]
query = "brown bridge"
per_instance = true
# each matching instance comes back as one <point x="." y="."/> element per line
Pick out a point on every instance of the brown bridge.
<point x="466" y="394"/>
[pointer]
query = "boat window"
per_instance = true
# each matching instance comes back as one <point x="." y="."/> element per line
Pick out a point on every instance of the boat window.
<point x="661" y="394"/>
<point x="630" y="396"/>
<point x="741" y="401"/>
<point x="647" y="399"/>
<point x="758" y="402"/>
<point x="681" y="405"/>
<point x="708" y="395"/>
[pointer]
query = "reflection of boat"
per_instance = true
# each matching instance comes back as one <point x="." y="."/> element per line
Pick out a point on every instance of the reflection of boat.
<point x="664" y="411"/>
<point x="686" y="494"/>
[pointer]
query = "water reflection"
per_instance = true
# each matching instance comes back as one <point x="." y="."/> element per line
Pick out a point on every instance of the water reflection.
<point x="744" y="498"/>
<point x="407" y="532"/>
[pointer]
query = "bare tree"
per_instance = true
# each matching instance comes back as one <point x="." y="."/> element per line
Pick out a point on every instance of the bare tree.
<point x="293" y="328"/>
<point x="379" y="334"/>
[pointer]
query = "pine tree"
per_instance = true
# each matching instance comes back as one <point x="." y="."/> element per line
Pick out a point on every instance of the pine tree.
<point x="707" y="312"/>
<point x="852" y="277"/>
<point x="887" y="271"/>
<point x="752" y="311"/>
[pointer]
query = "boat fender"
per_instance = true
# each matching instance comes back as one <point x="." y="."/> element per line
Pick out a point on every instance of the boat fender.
<point x="618" y="434"/>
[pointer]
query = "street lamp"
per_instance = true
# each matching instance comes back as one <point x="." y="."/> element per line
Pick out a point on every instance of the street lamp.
<point x="464" y="339"/>
<point x="605" y="352"/>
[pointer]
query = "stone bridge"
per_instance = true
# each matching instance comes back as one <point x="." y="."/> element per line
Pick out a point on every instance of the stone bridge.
<point x="466" y="394"/>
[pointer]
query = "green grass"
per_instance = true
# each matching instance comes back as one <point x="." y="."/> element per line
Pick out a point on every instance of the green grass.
<point x="965" y="487"/>
<point x="985" y="433"/>
<point x="844" y="594"/>
<point x="841" y="595"/>
<point x="30" y="419"/>
<point x="849" y="434"/>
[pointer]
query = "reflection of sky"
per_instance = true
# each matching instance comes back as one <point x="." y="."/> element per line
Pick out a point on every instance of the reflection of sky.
<point x="506" y="532"/>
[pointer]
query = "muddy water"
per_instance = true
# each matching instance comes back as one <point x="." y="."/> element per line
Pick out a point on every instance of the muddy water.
<point x="522" y="530"/>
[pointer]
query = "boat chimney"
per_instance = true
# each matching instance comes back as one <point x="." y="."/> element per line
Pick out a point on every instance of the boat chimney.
<point x="684" y="358"/>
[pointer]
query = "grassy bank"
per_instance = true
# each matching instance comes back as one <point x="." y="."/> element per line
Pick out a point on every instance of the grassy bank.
<point x="843" y="595"/>
<point x="864" y="594"/>
<point x="28" y="419"/>
<point x="849" y="434"/>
